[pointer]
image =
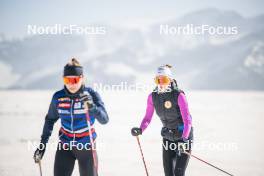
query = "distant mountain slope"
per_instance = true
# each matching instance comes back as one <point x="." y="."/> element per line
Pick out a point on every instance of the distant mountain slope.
<point x="200" y="61"/>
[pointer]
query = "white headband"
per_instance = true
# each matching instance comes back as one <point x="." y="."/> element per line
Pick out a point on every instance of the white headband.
<point x="164" y="71"/>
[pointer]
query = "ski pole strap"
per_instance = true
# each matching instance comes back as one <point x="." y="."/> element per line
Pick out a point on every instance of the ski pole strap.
<point x="142" y="156"/>
<point x="208" y="163"/>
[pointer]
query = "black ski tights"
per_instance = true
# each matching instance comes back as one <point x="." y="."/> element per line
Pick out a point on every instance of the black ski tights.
<point x="65" y="160"/>
<point x="173" y="163"/>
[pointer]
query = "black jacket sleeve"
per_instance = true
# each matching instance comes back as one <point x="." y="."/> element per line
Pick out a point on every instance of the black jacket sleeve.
<point x="99" y="111"/>
<point x="50" y="119"/>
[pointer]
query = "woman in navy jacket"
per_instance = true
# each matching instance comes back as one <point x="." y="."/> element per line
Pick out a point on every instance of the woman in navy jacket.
<point x="77" y="130"/>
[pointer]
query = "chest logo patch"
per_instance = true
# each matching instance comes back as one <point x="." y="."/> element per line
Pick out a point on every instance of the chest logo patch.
<point x="64" y="105"/>
<point x="78" y="105"/>
<point x="64" y="99"/>
<point x="167" y="104"/>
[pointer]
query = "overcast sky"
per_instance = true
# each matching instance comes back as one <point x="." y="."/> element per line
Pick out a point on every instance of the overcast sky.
<point x="16" y="15"/>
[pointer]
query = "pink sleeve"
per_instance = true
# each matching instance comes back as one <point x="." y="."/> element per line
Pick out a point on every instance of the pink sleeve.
<point x="186" y="117"/>
<point x="149" y="113"/>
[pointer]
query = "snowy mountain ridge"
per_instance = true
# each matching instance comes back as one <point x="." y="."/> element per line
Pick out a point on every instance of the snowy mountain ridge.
<point x="200" y="61"/>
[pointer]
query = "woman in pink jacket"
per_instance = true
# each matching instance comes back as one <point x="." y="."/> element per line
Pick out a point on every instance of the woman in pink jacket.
<point x="171" y="106"/>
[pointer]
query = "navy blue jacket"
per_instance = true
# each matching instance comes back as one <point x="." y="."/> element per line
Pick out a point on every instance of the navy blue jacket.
<point x="70" y="110"/>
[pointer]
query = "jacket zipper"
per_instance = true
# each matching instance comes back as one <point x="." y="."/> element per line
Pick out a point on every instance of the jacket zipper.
<point x="72" y="120"/>
<point x="164" y="114"/>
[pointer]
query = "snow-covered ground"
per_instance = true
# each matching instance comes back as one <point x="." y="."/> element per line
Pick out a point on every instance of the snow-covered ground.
<point x="228" y="132"/>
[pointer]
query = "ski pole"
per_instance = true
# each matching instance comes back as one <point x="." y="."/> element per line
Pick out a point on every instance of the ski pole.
<point x="91" y="139"/>
<point x="40" y="169"/>
<point x="208" y="163"/>
<point x="143" y="159"/>
<point x="38" y="160"/>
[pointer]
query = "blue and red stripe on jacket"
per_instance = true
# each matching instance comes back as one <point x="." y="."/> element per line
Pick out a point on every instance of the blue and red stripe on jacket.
<point x="70" y="110"/>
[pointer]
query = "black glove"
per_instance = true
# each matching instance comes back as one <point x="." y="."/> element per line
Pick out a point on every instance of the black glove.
<point x="39" y="152"/>
<point x="136" y="131"/>
<point x="183" y="146"/>
<point x="87" y="98"/>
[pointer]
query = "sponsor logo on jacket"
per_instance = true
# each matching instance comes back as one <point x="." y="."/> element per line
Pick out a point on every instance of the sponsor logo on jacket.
<point x="78" y="105"/>
<point x="64" y="99"/>
<point x="64" y="105"/>
<point x="63" y="111"/>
